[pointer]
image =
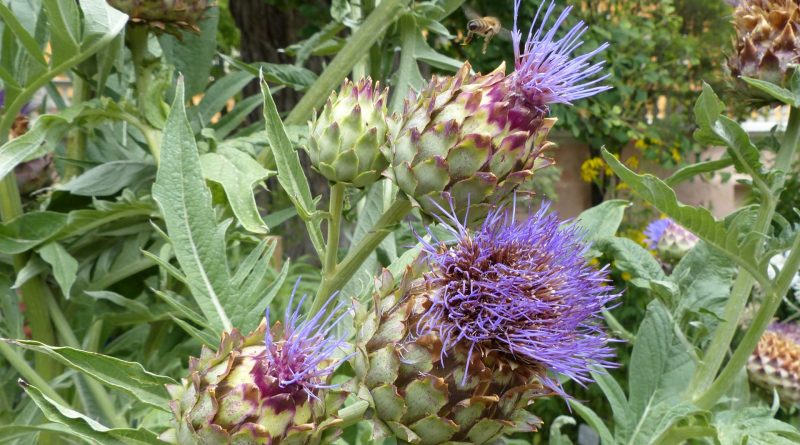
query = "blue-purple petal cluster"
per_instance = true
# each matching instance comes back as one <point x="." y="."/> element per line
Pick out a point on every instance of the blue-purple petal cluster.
<point x="545" y="71"/>
<point x="655" y="231"/>
<point x="302" y="360"/>
<point x="523" y="289"/>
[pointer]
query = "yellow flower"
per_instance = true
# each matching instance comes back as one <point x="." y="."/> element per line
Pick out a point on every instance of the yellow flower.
<point x="632" y="162"/>
<point x="622" y="186"/>
<point x="676" y="155"/>
<point x="590" y="169"/>
<point x="626" y="276"/>
<point x="640" y="144"/>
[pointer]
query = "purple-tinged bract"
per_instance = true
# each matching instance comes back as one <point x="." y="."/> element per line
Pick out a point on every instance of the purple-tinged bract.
<point x="546" y="72"/>
<point x="523" y="289"/>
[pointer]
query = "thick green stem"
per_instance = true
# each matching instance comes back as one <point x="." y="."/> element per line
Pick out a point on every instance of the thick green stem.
<point x="408" y="63"/>
<point x="76" y="145"/>
<point x="360" y="252"/>
<point x="350" y="54"/>
<point x="754" y="331"/>
<point x="704" y="388"/>
<point x="137" y="39"/>
<point x="334" y="229"/>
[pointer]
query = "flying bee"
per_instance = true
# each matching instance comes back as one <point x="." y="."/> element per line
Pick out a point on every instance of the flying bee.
<point x="486" y="27"/>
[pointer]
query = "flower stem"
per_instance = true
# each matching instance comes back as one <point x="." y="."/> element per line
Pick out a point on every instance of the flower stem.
<point x="703" y="388"/>
<point x="350" y="54"/>
<point x="408" y="63"/>
<point x="334" y="228"/>
<point x="754" y="331"/>
<point x="76" y="145"/>
<point x="360" y="252"/>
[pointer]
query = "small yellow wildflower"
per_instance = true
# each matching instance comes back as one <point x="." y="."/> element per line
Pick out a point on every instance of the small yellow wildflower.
<point x="632" y="162"/>
<point x="626" y="276"/>
<point x="640" y="144"/>
<point x="676" y="154"/>
<point x="590" y="169"/>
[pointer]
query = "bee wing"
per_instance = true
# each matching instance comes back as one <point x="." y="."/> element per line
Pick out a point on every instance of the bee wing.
<point x="504" y="34"/>
<point x="470" y="13"/>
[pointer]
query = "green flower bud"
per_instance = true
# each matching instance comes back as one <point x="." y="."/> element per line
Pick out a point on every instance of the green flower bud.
<point x="346" y="138"/>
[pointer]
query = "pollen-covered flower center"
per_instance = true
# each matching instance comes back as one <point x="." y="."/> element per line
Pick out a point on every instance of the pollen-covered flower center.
<point x="496" y="295"/>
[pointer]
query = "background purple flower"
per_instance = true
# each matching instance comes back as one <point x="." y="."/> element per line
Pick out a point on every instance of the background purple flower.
<point x="655" y="230"/>
<point x="523" y="289"/>
<point x="546" y="73"/>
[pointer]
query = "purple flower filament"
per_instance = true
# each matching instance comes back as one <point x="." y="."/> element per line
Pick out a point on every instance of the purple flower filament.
<point x="523" y="289"/>
<point x="545" y="71"/>
<point x="302" y="359"/>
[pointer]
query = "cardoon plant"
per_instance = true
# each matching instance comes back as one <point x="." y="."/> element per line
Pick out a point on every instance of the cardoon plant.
<point x="158" y="243"/>
<point x="485" y="325"/>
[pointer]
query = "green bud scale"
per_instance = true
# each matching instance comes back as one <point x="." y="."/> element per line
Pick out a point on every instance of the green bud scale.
<point x="346" y="138"/>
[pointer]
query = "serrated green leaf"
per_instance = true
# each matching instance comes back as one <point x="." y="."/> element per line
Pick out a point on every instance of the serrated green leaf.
<point x="754" y="426"/>
<point x="85" y="428"/>
<point x="632" y="258"/>
<point x="660" y="365"/>
<point x="65" y="267"/>
<point x="615" y="397"/>
<point x="696" y="219"/>
<point x="704" y="277"/>
<point x="128" y="377"/>
<point x="185" y="203"/>
<point x="708" y="107"/>
<point x="237" y="173"/>
<point x="46" y="131"/>
<point x="28" y="42"/>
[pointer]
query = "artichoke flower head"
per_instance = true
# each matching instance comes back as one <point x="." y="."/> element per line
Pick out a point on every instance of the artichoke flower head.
<point x="480" y="327"/>
<point x="473" y="139"/>
<point x="264" y="388"/>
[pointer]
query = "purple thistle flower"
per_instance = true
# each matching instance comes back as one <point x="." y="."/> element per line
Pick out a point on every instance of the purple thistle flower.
<point x="523" y="289"/>
<point x="655" y="231"/>
<point x="546" y="73"/>
<point x="301" y="361"/>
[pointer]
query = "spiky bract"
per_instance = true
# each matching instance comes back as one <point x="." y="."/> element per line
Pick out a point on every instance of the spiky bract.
<point x="775" y="363"/>
<point x="346" y="141"/>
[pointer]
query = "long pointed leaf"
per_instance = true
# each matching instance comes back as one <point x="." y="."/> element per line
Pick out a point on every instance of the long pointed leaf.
<point x="86" y="428"/>
<point x="185" y="202"/>
<point x="129" y="377"/>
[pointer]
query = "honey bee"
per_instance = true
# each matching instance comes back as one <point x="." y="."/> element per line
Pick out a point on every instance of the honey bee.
<point x="486" y="27"/>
